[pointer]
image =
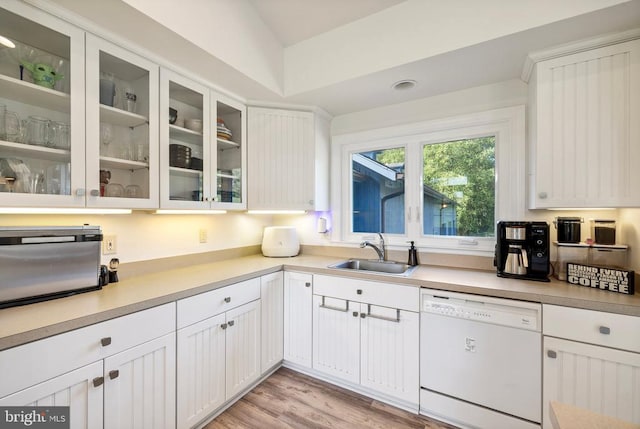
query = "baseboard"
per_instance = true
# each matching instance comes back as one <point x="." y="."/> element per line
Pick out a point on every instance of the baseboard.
<point x="407" y="406"/>
<point x="237" y="397"/>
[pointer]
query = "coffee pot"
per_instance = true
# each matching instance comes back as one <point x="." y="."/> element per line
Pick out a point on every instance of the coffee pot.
<point x="517" y="261"/>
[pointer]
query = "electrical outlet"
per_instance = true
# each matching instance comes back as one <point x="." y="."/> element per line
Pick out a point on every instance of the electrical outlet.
<point x="202" y="235"/>
<point x="109" y="245"/>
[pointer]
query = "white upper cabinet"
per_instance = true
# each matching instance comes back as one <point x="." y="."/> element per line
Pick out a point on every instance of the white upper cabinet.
<point x="229" y="154"/>
<point x="185" y="152"/>
<point x="288" y="160"/>
<point x="584" y="132"/>
<point x="122" y="127"/>
<point x="42" y="148"/>
<point x="202" y="141"/>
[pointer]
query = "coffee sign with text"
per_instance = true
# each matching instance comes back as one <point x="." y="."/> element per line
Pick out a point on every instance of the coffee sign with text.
<point x="604" y="278"/>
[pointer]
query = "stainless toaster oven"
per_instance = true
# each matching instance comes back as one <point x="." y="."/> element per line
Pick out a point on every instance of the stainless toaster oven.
<point x="40" y="263"/>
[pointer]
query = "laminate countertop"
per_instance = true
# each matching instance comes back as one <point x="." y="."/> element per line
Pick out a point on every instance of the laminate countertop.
<point x="19" y="325"/>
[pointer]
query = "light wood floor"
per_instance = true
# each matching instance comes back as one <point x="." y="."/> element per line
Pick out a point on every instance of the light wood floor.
<point x="289" y="399"/>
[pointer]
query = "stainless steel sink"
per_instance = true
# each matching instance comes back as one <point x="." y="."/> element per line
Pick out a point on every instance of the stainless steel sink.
<point x="377" y="267"/>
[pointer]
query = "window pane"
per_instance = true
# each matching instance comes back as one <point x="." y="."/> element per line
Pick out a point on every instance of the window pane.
<point x="378" y="191"/>
<point x="459" y="188"/>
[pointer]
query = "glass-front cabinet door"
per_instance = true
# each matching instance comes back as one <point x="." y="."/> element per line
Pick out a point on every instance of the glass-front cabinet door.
<point x="185" y="152"/>
<point x="42" y="152"/>
<point x="122" y="127"/>
<point x="229" y="160"/>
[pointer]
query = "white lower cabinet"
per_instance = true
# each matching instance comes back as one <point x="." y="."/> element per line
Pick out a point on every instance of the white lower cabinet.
<point x="115" y="374"/>
<point x="363" y="343"/>
<point x="140" y="386"/>
<point x="217" y="357"/>
<point x="298" y="289"/>
<point x="74" y="389"/>
<point x="272" y="313"/>
<point x="595" y="376"/>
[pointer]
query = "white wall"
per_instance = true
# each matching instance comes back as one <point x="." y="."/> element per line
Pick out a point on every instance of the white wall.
<point x="229" y="30"/>
<point x="487" y="97"/>
<point x="414" y="30"/>
<point x="142" y="236"/>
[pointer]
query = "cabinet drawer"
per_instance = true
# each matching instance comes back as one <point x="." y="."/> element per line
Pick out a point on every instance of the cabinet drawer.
<point x="369" y="292"/>
<point x="208" y="304"/>
<point x="596" y="327"/>
<point x="33" y="363"/>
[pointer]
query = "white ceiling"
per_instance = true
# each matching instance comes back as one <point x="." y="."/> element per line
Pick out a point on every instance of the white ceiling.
<point x="297" y="23"/>
<point x="295" y="20"/>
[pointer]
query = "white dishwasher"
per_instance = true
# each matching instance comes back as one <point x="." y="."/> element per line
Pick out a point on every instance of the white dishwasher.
<point x="480" y="360"/>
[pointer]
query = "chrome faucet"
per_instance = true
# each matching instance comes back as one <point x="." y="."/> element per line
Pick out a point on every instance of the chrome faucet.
<point x="381" y="250"/>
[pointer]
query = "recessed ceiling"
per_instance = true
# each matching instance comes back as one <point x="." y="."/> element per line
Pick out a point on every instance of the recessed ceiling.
<point x="293" y="21"/>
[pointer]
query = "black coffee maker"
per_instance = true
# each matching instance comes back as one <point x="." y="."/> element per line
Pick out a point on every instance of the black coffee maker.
<point x="522" y="250"/>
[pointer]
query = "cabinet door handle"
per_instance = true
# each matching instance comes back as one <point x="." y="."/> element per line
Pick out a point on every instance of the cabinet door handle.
<point x="94" y="192"/>
<point x="307" y="284"/>
<point x="388" y="319"/>
<point x="98" y="381"/>
<point x="359" y="291"/>
<point x="114" y="374"/>
<point x="227" y="299"/>
<point x="542" y="195"/>
<point x="355" y="314"/>
<point x="231" y="323"/>
<point x="223" y="326"/>
<point x="329" y="307"/>
<point x="604" y="330"/>
<point x="363" y="315"/>
<point x="105" y="341"/>
<point x="552" y="354"/>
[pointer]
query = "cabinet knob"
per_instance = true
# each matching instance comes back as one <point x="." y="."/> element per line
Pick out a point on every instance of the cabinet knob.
<point x="231" y="323"/>
<point x="355" y="314"/>
<point x="227" y="299"/>
<point x="98" y="381"/>
<point x="604" y="330"/>
<point x="359" y="291"/>
<point x="95" y="192"/>
<point x="80" y="192"/>
<point x="114" y="374"/>
<point x="105" y="341"/>
<point x="363" y="315"/>
<point x="542" y="195"/>
<point x="552" y="354"/>
<point x="307" y="284"/>
<point x="311" y="202"/>
<point x="223" y="326"/>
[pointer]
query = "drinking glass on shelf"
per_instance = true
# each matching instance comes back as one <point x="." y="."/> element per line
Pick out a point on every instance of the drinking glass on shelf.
<point x="60" y="135"/>
<point x="13" y="127"/>
<point x="130" y="99"/>
<point x="106" y="137"/>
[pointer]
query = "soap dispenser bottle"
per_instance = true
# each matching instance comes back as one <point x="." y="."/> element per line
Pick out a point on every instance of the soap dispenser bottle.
<point x="413" y="256"/>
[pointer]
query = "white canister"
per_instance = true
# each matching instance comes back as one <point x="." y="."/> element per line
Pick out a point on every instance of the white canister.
<point x="280" y="241"/>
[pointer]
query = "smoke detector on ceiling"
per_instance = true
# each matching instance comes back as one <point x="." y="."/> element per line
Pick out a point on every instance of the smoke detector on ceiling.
<point x="403" y="85"/>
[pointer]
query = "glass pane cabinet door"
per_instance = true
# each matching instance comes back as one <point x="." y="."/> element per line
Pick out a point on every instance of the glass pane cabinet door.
<point x="185" y="177"/>
<point x="41" y="109"/>
<point x="230" y="154"/>
<point x="122" y="136"/>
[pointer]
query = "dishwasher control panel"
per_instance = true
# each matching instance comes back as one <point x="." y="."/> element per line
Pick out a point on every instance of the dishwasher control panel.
<point x="516" y="314"/>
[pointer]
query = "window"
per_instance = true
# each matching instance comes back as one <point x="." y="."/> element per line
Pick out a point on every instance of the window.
<point x="458" y="182"/>
<point x="443" y="183"/>
<point x="378" y="191"/>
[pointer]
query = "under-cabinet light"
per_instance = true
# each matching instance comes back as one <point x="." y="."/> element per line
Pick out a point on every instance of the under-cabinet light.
<point x="191" y="212"/>
<point x="55" y="210"/>
<point x="6" y="42"/>
<point x="581" y="208"/>
<point x="276" y="211"/>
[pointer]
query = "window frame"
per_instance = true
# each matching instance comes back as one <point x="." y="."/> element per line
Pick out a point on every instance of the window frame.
<point x="508" y="127"/>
